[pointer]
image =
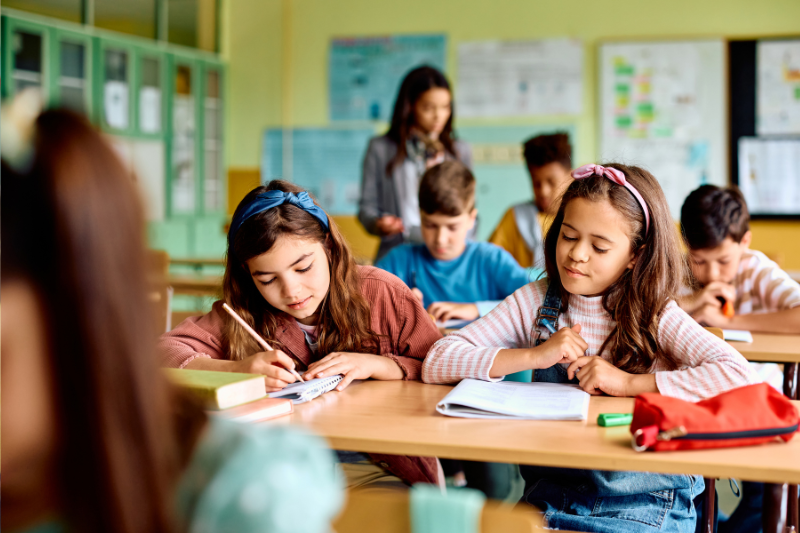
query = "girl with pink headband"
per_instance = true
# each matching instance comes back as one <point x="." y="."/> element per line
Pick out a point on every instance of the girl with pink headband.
<point x="604" y="319"/>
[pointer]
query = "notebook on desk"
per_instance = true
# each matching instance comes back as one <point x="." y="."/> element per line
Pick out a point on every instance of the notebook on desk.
<point x="473" y="398"/>
<point x="307" y="390"/>
<point x="739" y="335"/>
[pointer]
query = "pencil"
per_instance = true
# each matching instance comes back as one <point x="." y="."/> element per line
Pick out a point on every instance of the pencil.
<point x="259" y="339"/>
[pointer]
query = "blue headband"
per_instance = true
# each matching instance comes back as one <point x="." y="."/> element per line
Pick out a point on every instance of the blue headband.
<point x="270" y="199"/>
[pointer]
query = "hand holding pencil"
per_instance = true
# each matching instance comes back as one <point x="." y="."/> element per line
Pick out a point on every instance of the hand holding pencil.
<point x="260" y="340"/>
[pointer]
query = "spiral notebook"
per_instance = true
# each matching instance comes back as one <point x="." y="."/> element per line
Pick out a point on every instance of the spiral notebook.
<point x="307" y="390"/>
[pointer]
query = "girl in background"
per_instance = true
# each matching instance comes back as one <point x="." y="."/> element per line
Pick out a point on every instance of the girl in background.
<point x="420" y="136"/>
<point x="290" y="274"/>
<point x="614" y="269"/>
<point x="94" y="439"/>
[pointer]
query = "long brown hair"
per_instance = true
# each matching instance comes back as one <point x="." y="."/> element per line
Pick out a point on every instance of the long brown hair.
<point x="416" y="83"/>
<point x="73" y="230"/>
<point x="635" y="300"/>
<point x="344" y="324"/>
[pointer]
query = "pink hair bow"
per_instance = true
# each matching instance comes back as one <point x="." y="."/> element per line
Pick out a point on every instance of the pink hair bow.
<point x="617" y="177"/>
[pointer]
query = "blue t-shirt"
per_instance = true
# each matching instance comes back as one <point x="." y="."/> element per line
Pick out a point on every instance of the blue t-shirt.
<point x="484" y="274"/>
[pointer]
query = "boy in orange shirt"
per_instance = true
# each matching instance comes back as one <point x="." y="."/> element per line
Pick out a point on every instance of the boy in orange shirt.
<point x="549" y="161"/>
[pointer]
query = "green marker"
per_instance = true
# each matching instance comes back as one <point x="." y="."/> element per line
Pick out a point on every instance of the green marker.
<point x="608" y="420"/>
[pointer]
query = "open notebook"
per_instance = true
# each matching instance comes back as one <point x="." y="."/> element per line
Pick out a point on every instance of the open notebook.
<point x="307" y="390"/>
<point x="473" y="398"/>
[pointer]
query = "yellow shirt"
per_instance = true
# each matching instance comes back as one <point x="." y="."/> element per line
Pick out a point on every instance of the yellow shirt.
<point x="507" y="236"/>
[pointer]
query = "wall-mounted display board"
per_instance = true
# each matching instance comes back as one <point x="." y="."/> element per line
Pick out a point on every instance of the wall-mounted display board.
<point x="662" y="107"/>
<point x="364" y="73"/>
<point x="513" y="78"/>
<point x="765" y="125"/>
<point x="778" y="87"/>
<point x="326" y="161"/>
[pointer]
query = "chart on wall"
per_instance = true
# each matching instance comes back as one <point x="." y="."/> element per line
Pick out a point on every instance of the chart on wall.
<point x="663" y="108"/>
<point x="778" y="87"/>
<point x="327" y="162"/>
<point x="499" y="167"/>
<point x="769" y="175"/>
<point x="513" y="78"/>
<point x="365" y="72"/>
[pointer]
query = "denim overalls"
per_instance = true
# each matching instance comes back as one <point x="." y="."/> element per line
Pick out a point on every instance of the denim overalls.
<point x="600" y="500"/>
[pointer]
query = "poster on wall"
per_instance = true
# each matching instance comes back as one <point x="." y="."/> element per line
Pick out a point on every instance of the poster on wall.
<point x="364" y="73"/>
<point x="327" y="162"/>
<point x="769" y="175"/>
<point x="504" y="79"/>
<point x="778" y="87"/>
<point x="662" y="107"/>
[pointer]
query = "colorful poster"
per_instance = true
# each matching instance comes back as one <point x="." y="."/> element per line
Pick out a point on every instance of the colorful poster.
<point x="778" y="87"/>
<point x="663" y="108"/>
<point x="504" y="79"/>
<point x="365" y="72"/>
<point x="327" y="162"/>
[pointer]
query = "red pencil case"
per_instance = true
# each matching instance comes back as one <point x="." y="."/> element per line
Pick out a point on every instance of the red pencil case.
<point x="753" y="414"/>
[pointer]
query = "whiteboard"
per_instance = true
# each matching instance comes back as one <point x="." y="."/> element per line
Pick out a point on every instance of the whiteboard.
<point x="663" y="107"/>
<point x="778" y="87"/>
<point x="513" y="78"/>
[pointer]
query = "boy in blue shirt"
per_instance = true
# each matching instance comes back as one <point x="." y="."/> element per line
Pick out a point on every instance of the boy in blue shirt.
<point x="454" y="277"/>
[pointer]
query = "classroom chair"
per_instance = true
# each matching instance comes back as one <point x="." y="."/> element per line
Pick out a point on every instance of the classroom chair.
<point x="160" y="294"/>
<point x="387" y="512"/>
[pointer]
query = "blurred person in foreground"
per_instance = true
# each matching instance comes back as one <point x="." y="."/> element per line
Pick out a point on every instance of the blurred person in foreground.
<point x="94" y="439"/>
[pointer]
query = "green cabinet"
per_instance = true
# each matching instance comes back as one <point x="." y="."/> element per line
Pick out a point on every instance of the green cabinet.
<point x="161" y="106"/>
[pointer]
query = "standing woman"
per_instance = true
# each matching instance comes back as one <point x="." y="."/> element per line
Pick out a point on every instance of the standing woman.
<point x="420" y="136"/>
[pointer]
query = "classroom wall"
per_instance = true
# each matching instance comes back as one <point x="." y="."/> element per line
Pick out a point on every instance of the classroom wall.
<point x="278" y="53"/>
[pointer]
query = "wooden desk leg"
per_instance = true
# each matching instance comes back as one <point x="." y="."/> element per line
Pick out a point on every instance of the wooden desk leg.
<point x="708" y="505"/>
<point x="791" y="376"/>
<point x="771" y="517"/>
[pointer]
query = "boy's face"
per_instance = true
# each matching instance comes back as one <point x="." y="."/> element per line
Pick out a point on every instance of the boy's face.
<point x="719" y="263"/>
<point x="549" y="181"/>
<point x="446" y="236"/>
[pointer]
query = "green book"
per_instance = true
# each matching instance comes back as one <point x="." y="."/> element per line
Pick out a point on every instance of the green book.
<point x="220" y="390"/>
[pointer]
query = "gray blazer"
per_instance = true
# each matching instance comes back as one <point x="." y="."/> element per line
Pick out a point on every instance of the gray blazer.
<point x="378" y="196"/>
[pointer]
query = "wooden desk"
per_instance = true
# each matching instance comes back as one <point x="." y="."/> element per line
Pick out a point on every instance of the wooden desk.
<point x="775" y="348"/>
<point x="196" y="285"/>
<point x="198" y="262"/>
<point x="399" y="417"/>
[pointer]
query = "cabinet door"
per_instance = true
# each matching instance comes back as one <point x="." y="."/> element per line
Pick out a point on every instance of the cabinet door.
<point x="72" y="53"/>
<point x="213" y="153"/>
<point x="184" y="87"/>
<point x="116" y="62"/>
<point x="25" y="51"/>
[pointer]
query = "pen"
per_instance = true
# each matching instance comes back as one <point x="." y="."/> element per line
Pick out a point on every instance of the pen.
<point x="614" y="419"/>
<point x="264" y="344"/>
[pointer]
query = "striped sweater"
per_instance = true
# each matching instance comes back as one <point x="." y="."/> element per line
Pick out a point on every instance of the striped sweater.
<point x="762" y="287"/>
<point x="710" y="365"/>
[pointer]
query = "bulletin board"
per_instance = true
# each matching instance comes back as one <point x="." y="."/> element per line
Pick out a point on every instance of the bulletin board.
<point x="663" y="107"/>
<point x="765" y="125"/>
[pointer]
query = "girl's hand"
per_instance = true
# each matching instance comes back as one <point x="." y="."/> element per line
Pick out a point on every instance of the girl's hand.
<point x="442" y="311"/>
<point x="273" y="365"/>
<point x="711" y="315"/>
<point x="564" y="346"/>
<point x="598" y="376"/>
<point x="389" y="225"/>
<point x="354" y="366"/>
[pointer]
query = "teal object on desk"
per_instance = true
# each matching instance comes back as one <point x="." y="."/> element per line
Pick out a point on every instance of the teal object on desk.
<point x="524" y="376"/>
<point x="614" y="419"/>
<point x="455" y="511"/>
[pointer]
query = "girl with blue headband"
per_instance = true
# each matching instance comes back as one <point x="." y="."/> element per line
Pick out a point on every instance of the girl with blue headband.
<point x="291" y="276"/>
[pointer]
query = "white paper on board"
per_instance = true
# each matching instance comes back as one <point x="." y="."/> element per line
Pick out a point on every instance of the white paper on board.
<point x="778" y="87"/>
<point x="150" y="109"/>
<point x="116" y="103"/>
<point x="512" y="78"/>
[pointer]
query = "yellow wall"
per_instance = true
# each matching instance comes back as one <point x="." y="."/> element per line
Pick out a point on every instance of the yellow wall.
<point x="278" y="53"/>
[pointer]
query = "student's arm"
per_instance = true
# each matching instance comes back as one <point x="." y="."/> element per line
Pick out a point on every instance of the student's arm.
<point x="786" y="321"/>
<point x="709" y="365"/>
<point x="194" y="343"/>
<point x="369" y="207"/>
<point x="500" y="344"/>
